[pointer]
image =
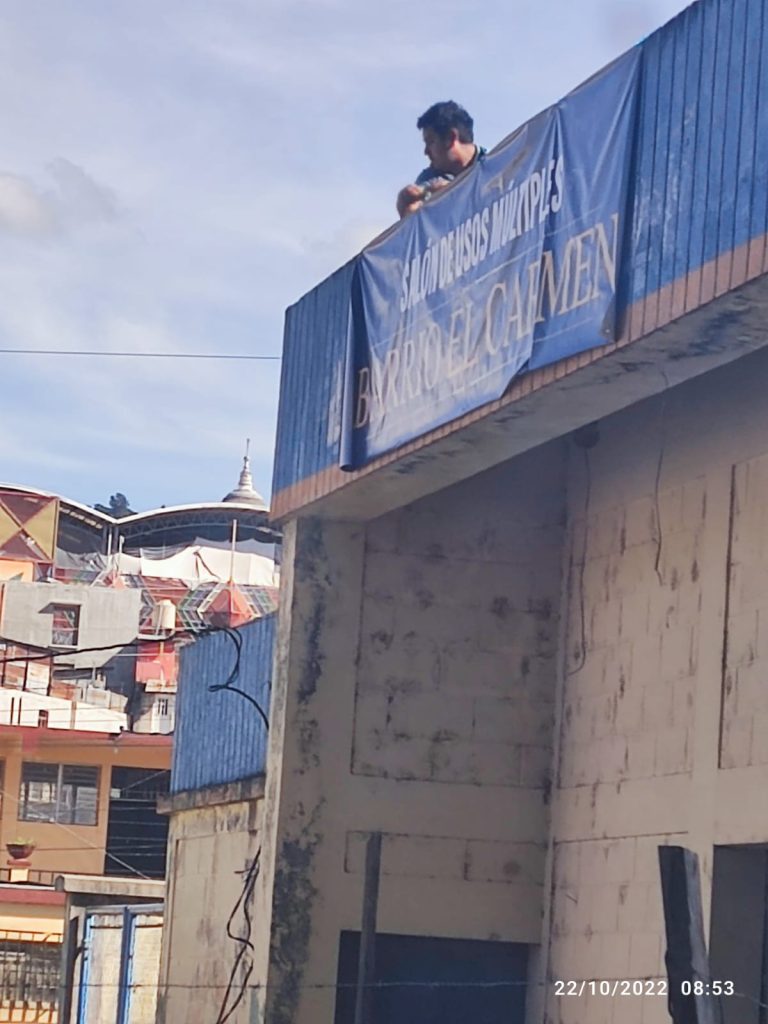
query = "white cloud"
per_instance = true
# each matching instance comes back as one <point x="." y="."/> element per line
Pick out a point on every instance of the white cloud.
<point x="73" y="201"/>
<point x="23" y="210"/>
<point x="80" y="199"/>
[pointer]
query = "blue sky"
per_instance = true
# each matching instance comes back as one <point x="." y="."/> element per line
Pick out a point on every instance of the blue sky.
<point x="175" y="173"/>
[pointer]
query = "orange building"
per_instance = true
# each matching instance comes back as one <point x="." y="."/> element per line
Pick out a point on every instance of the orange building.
<point x="73" y="801"/>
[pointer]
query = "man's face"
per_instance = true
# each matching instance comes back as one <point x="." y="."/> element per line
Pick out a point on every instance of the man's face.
<point x="438" y="149"/>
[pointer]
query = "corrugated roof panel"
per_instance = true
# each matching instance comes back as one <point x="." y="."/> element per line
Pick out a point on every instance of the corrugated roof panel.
<point x="220" y="736"/>
<point x="687" y="91"/>
<point x="314" y="353"/>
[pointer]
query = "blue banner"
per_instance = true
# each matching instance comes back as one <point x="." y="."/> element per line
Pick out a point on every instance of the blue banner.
<point x="513" y="267"/>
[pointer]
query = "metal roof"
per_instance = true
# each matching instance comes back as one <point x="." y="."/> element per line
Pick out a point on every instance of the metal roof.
<point x="144" y="524"/>
<point x="220" y="737"/>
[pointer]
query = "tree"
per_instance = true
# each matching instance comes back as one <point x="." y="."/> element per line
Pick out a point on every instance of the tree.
<point x="118" y="507"/>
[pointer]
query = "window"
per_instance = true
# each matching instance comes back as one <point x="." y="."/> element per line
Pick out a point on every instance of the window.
<point x="738" y="946"/>
<point x="66" y="625"/>
<point x="436" y="979"/>
<point x="62" y="793"/>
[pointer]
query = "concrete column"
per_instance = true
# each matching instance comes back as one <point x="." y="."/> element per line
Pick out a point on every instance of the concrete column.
<point x="309" y="752"/>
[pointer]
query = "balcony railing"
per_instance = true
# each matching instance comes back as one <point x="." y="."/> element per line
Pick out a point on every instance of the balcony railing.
<point x="30" y="974"/>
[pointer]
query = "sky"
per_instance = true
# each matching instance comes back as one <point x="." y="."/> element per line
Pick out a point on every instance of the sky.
<point x="176" y="173"/>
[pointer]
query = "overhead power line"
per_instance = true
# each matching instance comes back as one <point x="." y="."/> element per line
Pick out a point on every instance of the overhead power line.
<point x="135" y="355"/>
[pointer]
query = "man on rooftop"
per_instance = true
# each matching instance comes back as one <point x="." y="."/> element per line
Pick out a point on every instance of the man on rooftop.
<point x="448" y="133"/>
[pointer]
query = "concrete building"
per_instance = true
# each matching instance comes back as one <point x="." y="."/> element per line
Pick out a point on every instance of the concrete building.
<point x="521" y="637"/>
<point x="82" y="801"/>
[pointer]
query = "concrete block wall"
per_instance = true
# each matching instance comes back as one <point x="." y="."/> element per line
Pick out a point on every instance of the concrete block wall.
<point x="661" y="705"/>
<point x="620" y="593"/>
<point x="414" y="695"/>
<point x="744" y="738"/>
<point x="635" y="591"/>
<point x="459" y="633"/>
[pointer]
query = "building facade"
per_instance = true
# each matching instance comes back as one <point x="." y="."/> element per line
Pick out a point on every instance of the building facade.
<point x="521" y="649"/>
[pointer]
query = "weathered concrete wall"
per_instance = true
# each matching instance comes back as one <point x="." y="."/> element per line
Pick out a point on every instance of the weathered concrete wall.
<point x="665" y="605"/>
<point x="459" y="631"/>
<point x="211" y="845"/>
<point x="744" y="741"/>
<point x="413" y="695"/>
<point x="620" y="589"/>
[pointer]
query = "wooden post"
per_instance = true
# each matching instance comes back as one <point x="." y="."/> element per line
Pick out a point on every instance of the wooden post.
<point x="367" y="957"/>
<point x="686" y="957"/>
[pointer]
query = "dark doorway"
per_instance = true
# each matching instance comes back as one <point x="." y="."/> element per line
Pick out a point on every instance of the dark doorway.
<point x="137" y="836"/>
<point x="738" y="939"/>
<point x="437" y="981"/>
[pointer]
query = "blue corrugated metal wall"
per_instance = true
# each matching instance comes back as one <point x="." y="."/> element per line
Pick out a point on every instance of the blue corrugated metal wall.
<point x="314" y="351"/>
<point x="220" y="736"/>
<point x="700" y="189"/>
<point x="702" y="168"/>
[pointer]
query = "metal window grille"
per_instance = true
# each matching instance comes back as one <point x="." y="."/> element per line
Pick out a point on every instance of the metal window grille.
<point x="30" y="971"/>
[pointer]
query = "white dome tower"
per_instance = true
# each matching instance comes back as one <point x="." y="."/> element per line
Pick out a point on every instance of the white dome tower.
<point x="244" y="493"/>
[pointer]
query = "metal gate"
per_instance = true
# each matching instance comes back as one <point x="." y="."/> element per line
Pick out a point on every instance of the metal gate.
<point x="120" y="965"/>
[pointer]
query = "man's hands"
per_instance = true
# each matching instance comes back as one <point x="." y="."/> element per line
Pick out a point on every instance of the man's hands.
<point x="413" y="197"/>
<point x="410" y="199"/>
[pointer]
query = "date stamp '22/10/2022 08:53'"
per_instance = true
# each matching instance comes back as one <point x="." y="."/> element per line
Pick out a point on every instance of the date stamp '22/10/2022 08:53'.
<point x="641" y="987"/>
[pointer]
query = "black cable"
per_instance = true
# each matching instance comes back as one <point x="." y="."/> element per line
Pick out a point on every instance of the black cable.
<point x="189" y="633"/>
<point x="193" y="634"/>
<point x="582" y="567"/>
<point x="246" y="946"/>
<point x="135" y="355"/>
<point x="657" y="483"/>
<point x="237" y="640"/>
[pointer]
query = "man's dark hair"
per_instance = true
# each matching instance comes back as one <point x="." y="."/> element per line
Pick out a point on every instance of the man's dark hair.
<point x="442" y="117"/>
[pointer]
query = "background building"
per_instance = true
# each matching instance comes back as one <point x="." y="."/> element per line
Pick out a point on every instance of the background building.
<point x="93" y="613"/>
